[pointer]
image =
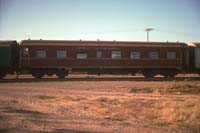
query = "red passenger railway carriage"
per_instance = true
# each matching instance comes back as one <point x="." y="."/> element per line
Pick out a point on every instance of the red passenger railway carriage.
<point x="101" y="57"/>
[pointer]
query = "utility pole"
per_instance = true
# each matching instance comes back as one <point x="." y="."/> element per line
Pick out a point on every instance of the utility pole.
<point x="148" y="30"/>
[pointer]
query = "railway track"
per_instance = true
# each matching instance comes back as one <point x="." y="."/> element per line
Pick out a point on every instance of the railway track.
<point x="28" y="78"/>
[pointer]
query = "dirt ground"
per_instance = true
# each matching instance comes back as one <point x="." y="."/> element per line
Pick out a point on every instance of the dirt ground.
<point x="100" y="105"/>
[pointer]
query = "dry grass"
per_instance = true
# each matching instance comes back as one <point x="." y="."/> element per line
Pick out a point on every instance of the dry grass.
<point x="45" y="97"/>
<point x="106" y="100"/>
<point x="117" y="117"/>
<point x="181" y="111"/>
<point x="141" y="90"/>
<point x="74" y="98"/>
<point x="174" y="88"/>
<point x="187" y="112"/>
<point x="186" y="88"/>
<point x="101" y="106"/>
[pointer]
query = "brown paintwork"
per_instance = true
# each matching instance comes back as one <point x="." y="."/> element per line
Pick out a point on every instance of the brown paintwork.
<point x="91" y="47"/>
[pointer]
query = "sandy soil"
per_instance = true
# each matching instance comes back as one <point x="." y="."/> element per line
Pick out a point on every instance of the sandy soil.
<point x="100" y="106"/>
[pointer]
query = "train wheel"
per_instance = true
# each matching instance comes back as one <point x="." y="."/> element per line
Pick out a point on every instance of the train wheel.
<point x="61" y="74"/>
<point x="49" y="74"/>
<point x="172" y="75"/>
<point x="2" y="75"/>
<point x="165" y="75"/>
<point x="169" y="75"/>
<point x="133" y="74"/>
<point x="148" y="75"/>
<point x="37" y="75"/>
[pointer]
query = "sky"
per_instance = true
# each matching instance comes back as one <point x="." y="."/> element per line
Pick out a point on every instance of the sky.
<point x="120" y="20"/>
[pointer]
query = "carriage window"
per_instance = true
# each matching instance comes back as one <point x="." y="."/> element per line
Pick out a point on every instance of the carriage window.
<point x="116" y="55"/>
<point x="171" y="55"/>
<point x="26" y="51"/>
<point x="40" y="54"/>
<point x="61" y="54"/>
<point x="99" y="54"/>
<point x="153" y="55"/>
<point x="135" y="55"/>
<point x="81" y="56"/>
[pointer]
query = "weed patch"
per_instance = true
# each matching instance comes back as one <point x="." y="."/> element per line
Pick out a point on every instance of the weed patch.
<point x="117" y="117"/>
<point x="74" y="98"/>
<point x="141" y="90"/>
<point x="45" y="97"/>
<point x="23" y="111"/>
<point x="184" y="88"/>
<point x="108" y="100"/>
<point x="14" y="101"/>
<point x="161" y="124"/>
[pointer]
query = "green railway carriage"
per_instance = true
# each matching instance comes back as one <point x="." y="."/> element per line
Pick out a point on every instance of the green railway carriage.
<point x="9" y="57"/>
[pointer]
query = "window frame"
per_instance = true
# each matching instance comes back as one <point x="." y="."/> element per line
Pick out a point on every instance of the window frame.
<point x="40" y="52"/>
<point x="83" y="57"/>
<point x="99" y="55"/>
<point x="60" y="53"/>
<point x="137" y="57"/>
<point x="114" y="56"/>
<point x="152" y="57"/>
<point x="171" y="57"/>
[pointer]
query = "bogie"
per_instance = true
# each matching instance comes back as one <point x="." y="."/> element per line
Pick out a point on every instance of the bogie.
<point x="2" y="75"/>
<point x="61" y="73"/>
<point x="149" y="74"/>
<point x="38" y="74"/>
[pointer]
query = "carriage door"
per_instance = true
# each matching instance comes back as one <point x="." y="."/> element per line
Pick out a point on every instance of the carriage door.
<point x="26" y="57"/>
